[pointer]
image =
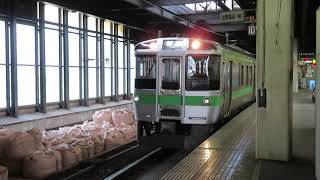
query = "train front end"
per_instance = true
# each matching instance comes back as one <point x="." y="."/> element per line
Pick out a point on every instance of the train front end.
<point x="177" y="88"/>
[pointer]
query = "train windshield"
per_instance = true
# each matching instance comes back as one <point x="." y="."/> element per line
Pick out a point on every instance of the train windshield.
<point x="202" y="72"/>
<point x="146" y="72"/>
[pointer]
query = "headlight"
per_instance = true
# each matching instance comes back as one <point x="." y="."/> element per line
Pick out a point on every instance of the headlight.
<point x="195" y="45"/>
<point x="136" y="98"/>
<point x="206" y="101"/>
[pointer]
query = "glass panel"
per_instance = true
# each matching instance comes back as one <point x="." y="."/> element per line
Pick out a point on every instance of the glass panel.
<point x="52" y="78"/>
<point x="92" y="51"/>
<point x="132" y="76"/>
<point x="228" y="3"/>
<point x="120" y="54"/>
<point x="107" y="82"/>
<point x="25" y="44"/>
<point x="74" y="83"/>
<point x="52" y="47"/>
<point x="171" y="73"/>
<point x="3" y="86"/>
<point x="107" y="25"/>
<point x="26" y="85"/>
<point x="73" y="19"/>
<point x="92" y="83"/>
<point x="74" y="49"/>
<point x="92" y="23"/>
<point x="190" y="6"/>
<point x="2" y="43"/>
<point x="51" y="13"/>
<point x="107" y="52"/>
<point x="120" y="81"/>
<point x="120" y="30"/>
<point x="132" y="57"/>
<point x="203" y="72"/>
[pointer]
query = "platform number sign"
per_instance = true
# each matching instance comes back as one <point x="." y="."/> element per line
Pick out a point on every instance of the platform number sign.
<point x="251" y="30"/>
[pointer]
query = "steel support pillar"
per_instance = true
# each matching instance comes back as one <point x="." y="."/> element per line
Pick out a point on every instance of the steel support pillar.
<point x="60" y="59"/>
<point x="66" y="59"/>
<point x="42" y="45"/>
<point x="102" y="59"/>
<point x="85" y="61"/>
<point x="97" y="61"/>
<point x="116" y="64"/>
<point x="274" y="76"/>
<point x="8" y="90"/>
<point x="127" y="32"/>
<point x="13" y="47"/>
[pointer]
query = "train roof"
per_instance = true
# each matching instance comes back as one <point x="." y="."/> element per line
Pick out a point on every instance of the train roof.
<point x="158" y="45"/>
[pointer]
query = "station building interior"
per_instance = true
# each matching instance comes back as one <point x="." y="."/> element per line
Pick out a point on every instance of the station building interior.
<point x="159" y="89"/>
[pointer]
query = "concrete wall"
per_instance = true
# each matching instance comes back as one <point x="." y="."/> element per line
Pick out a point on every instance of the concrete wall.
<point x="295" y="75"/>
<point x="274" y="72"/>
<point x="58" y="118"/>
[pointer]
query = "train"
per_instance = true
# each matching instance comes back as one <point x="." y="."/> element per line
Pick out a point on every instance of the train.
<point x="185" y="86"/>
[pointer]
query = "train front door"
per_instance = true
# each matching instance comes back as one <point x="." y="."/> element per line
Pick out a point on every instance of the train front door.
<point x="227" y="87"/>
<point x="170" y="89"/>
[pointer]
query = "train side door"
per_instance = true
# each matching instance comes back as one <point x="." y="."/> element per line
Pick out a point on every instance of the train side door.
<point x="227" y="78"/>
<point x="170" y="88"/>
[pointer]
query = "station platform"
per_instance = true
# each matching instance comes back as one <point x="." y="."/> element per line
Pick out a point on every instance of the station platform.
<point x="230" y="152"/>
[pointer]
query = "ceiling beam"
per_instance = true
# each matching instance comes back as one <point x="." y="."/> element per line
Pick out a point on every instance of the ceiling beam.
<point x="154" y="9"/>
<point x="181" y="2"/>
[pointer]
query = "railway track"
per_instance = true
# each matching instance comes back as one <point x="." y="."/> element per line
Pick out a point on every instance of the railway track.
<point x="108" y="165"/>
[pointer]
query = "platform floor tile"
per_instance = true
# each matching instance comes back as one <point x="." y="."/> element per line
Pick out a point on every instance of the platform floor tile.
<point x="227" y="154"/>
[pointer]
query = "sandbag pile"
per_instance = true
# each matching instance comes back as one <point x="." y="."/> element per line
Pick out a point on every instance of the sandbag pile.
<point x="3" y="173"/>
<point x="40" y="164"/>
<point x="36" y="154"/>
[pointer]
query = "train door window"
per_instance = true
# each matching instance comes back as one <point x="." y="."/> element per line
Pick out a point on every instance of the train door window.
<point x="170" y="73"/>
<point x="247" y="74"/>
<point x="203" y="72"/>
<point x="250" y="76"/>
<point x="146" y="72"/>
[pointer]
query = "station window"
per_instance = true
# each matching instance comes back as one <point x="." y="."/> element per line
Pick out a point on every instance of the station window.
<point x="132" y="68"/>
<point x="120" y="30"/>
<point x="74" y="67"/>
<point x="92" y="64"/>
<point x="52" y="65"/>
<point x="3" y="86"/>
<point x="26" y="65"/>
<point x="121" y="67"/>
<point x="107" y="70"/>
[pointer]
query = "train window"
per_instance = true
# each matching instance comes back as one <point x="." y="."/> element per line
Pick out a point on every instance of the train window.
<point x="202" y="72"/>
<point x="247" y="75"/>
<point x="146" y="72"/>
<point x="171" y="73"/>
<point x="236" y="80"/>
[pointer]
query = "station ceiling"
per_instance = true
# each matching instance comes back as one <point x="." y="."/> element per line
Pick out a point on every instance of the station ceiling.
<point x="174" y="18"/>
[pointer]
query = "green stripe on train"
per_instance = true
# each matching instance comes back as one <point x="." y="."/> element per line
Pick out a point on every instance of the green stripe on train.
<point x="234" y="56"/>
<point x="190" y="100"/>
<point x="242" y="92"/>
